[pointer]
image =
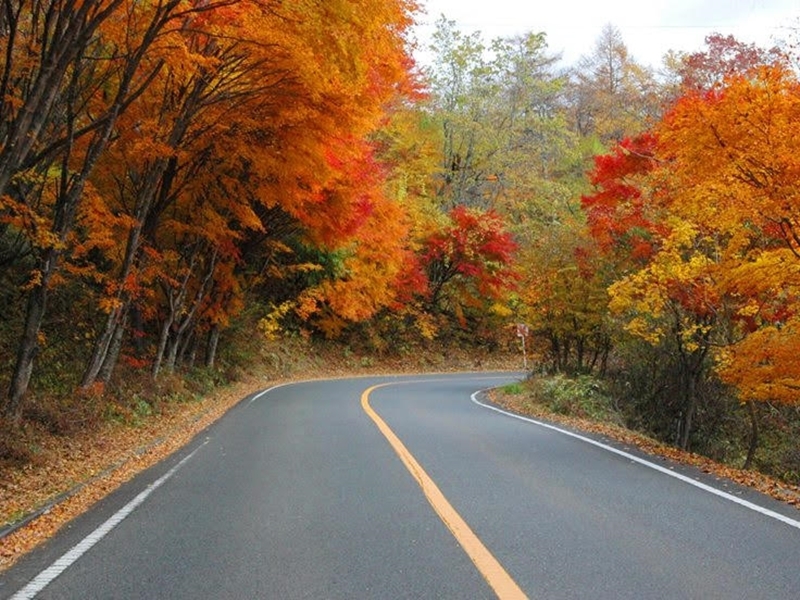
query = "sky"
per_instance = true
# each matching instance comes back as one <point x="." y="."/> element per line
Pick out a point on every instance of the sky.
<point x="649" y="28"/>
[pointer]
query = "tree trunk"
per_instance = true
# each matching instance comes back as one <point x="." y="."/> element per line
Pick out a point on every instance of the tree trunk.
<point x="110" y="360"/>
<point x="176" y="301"/>
<point x="101" y="348"/>
<point x="186" y="324"/>
<point x="690" y="402"/>
<point x="211" y="350"/>
<point x="187" y="355"/>
<point x="137" y="330"/>
<point x="27" y="350"/>
<point x="604" y="360"/>
<point x="566" y="350"/>
<point x="555" y="349"/>
<point x="162" y="345"/>
<point x="171" y="355"/>
<point x="753" y="442"/>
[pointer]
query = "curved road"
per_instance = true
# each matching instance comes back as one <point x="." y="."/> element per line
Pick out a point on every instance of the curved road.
<point x="408" y="487"/>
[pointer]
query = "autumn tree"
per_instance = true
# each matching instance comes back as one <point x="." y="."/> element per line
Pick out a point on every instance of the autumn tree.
<point x="710" y="208"/>
<point x="563" y="299"/>
<point x="169" y="142"/>
<point x="723" y="57"/>
<point x="182" y="135"/>
<point x="621" y="216"/>
<point x="497" y="107"/>
<point x="734" y="159"/>
<point x="612" y="96"/>
<point x="371" y="255"/>
<point x="655" y="266"/>
<point x="83" y="83"/>
<point x="468" y="262"/>
<point x="672" y="302"/>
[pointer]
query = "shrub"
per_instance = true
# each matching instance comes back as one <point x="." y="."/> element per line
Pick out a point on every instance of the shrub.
<point x="583" y="396"/>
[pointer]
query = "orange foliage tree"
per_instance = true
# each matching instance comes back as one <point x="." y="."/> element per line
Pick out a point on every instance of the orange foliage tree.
<point x="711" y="218"/>
<point x="69" y="71"/>
<point x="179" y="137"/>
<point x="733" y="153"/>
<point x="469" y="261"/>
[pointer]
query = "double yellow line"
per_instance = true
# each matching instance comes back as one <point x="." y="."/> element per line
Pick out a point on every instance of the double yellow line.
<point x="488" y="566"/>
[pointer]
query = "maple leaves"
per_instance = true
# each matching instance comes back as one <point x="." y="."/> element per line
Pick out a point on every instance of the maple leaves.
<point x="702" y="217"/>
<point x="198" y="158"/>
<point x="221" y="134"/>
<point x="619" y="216"/>
<point x="473" y="253"/>
<point x="743" y="194"/>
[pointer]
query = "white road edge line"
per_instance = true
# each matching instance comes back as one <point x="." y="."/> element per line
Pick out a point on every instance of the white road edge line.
<point x="268" y="390"/>
<point x="707" y="488"/>
<point x="46" y="577"/>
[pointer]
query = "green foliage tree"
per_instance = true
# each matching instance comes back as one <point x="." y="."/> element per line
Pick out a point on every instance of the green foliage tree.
<point x="503" y="134"/>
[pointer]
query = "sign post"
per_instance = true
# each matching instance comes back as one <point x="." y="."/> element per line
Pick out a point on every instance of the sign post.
<point x="522" y="333"/>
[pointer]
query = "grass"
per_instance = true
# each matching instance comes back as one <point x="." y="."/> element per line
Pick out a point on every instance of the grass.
<point x="583" y="397"/>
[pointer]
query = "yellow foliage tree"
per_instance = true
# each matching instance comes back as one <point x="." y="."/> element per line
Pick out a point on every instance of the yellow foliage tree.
<point x="733" y="157"/>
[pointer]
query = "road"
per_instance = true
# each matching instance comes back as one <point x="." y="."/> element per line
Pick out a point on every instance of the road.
<point x="407" y="487"/>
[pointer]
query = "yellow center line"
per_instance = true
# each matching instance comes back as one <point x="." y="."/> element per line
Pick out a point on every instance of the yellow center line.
<point x="488" y="566"/>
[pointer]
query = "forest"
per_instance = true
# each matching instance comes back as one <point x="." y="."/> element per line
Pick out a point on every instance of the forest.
<point x="181" y="182"/>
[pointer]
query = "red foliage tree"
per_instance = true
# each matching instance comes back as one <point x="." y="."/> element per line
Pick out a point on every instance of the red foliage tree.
<point x="723" y="57"/>
<point x="620" y="216"/>
<point x="473" y="253"/>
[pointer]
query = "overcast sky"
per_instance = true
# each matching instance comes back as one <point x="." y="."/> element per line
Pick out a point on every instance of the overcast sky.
<point x="648" y="27"/>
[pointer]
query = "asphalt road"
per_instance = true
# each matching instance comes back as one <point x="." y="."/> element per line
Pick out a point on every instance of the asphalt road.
<point x="299" y="493"/>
